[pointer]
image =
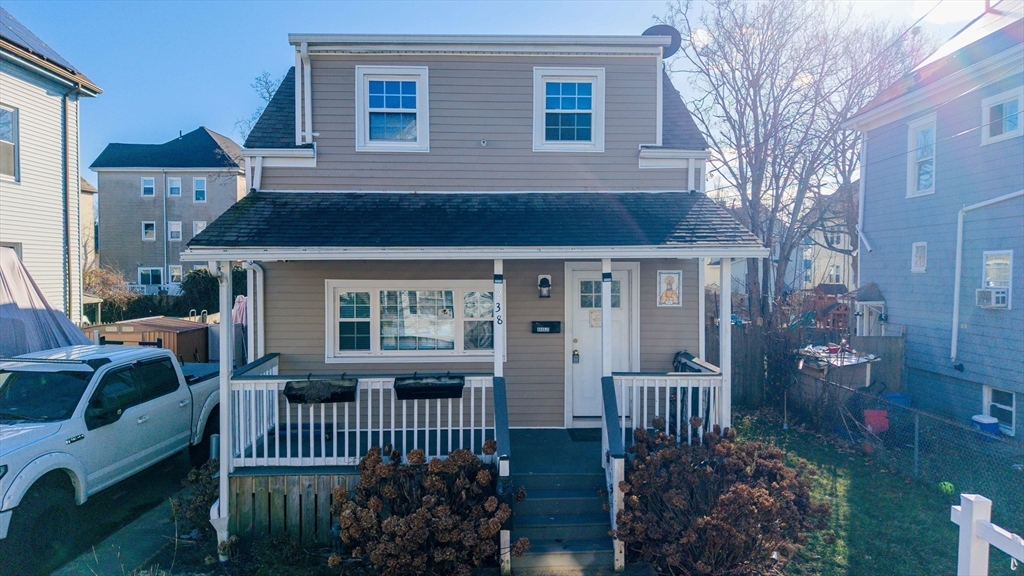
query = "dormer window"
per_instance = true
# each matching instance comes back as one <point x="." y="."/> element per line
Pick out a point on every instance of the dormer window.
<point x="568" y="111"/>
<point x="392" y="109"/>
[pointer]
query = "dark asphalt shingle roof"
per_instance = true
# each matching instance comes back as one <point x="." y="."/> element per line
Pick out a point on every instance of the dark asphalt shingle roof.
<point x="200" y="148"/>
<point x="16" y="33"/>
<point x="276" y="126"/>
<point x="361" y="220"/>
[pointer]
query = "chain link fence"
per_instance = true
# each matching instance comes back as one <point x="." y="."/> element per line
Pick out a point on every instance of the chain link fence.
<point x="934" y="450"/>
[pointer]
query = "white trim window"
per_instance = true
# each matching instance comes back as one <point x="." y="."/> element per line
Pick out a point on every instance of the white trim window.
<point x="199" y="190"/>
<point x="174" y="186"/>
<point x="392" y="109"/>
<point x="197" y="227"/>
<point x="148" y="231"/>
<point x="919" y="257"/>
<point x="151" y="276"/>
<point x="148" y="186"/>
<point x="174" y="231"/>
<point x="921" y="157"/>
<point x="409" y="321"/>
<point x="1000" y="116"/>
<point x="174" y="271"/>
<point x="9" y="147"/>
<point x="1001" y="405"/>
<point x="997" y="273"/>
<point x="568" y="109"/>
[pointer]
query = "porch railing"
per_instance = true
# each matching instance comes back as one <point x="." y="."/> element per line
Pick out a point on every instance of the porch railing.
<point x="643" y="397"/>
<point x="268" y="430"/>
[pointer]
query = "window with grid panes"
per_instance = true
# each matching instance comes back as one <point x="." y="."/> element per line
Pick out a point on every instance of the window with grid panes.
<point x="354" y="321"/>
<point x="590" y="294"/>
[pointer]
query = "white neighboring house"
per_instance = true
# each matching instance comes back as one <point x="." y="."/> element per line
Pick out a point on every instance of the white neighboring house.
<point x="39" y="162"/>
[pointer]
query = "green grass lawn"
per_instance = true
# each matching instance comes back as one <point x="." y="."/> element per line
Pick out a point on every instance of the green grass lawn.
<point x="881" y="523"/>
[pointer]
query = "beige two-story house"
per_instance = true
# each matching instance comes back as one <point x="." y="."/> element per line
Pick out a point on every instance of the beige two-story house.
<point x="482" y="238"/>
<point x="154" y="198"/>
<point x="40" y="94"/>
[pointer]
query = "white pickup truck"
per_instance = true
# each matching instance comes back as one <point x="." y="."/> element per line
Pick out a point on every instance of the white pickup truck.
<point x="76" y="420"/>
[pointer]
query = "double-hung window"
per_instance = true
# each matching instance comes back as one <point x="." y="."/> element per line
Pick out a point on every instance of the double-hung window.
<point x="998" y="275"/>
<point x="174" y="231"/>
<point x="921" y="157"/>
<point x="406" y="321"/>
<point x="174" y="271"/>
<point x="392" y="109"/>
<point x="174" y="186"/>
<point x="8" y="143"/>
<point x="199" y="190"/>
<point x="197" y="227"/>
<point x="1000" y="116"/>
<point x="151" y="276"/>
<point x="568" y="109"/>
<point x="148" y="186"/>
<point x="149" y="231"/>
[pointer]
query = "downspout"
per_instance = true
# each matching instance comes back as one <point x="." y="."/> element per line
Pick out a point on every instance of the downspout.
<point x="167" y="232"/>
<point x="298" y="99"/>
<point x="307" y="96"/>
<point x="254" y="310"/>
<point x="959" y="253"/>
<point x="66" y="201"/>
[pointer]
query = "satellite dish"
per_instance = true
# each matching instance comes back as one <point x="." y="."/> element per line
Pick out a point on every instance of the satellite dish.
<point x="671" y="32"/>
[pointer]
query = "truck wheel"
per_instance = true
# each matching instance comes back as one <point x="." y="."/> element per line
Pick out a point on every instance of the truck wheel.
<point x="200" y="453"/>
<point x="42" y="530"/>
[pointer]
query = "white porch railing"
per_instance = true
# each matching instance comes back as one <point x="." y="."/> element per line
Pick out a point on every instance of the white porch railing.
<point x="268" y="430"/>
<point x="977" y="533"/>
<point x="643" y="397"/>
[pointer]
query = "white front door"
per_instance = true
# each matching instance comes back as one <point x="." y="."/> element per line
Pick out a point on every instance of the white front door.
<point x="585" y="338"/>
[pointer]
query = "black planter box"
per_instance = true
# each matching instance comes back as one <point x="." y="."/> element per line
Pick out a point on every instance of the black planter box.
<point x="429" y="387"/>
<point x="321" y="390"/>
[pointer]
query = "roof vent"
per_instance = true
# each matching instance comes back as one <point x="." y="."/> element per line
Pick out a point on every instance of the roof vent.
<point x="671" y="32"/>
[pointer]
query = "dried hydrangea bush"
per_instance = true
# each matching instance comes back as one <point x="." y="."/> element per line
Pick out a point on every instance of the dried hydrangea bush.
<point x="715" y="507"/>
<point x="440" y="517"/>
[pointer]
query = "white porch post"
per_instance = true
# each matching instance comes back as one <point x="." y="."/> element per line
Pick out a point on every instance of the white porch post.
<point x="227" y="349"/>
<point x="606" y="317"/>
<point x="725" y="342"/>
<point x="972" y="552"/>
<point x="499" y="318"/>
<point x="702" y="283"/>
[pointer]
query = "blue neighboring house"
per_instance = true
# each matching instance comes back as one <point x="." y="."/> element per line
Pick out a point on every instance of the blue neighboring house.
<point x="942" y="220"/>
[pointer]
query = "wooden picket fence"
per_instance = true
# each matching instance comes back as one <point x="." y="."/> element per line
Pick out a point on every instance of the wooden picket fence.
<point x="748" y="361"/>
<point x="295" y="504"/>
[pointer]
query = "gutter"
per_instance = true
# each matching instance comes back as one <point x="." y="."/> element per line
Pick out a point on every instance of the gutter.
<point x="959" y="253"/>
<point x="65" y="165"/>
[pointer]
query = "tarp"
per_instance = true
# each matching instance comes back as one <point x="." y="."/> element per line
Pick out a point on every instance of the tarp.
<point x="28" y="323"/>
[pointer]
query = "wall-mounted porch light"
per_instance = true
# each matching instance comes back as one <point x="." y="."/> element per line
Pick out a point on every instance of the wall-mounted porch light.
<point x="544" y="286"/>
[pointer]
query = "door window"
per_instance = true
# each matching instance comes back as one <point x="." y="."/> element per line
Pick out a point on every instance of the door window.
<point x="117" y="391"/>
<point x="590" y="294"/>
<point x="156" y="378"/>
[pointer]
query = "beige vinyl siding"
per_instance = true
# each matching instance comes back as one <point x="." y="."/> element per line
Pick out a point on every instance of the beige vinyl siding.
<point x="122" y="210"/>
<point x="535" y="363"/>
<point x="474" y="98"/>
<point x="31" y="209"/>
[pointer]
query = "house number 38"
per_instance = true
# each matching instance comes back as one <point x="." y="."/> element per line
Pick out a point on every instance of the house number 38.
<point x="498" y="316"/>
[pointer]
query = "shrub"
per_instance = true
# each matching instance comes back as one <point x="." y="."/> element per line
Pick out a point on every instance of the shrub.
<point x="439" y="517"/>
<point x="192" y="510"/>
<point x="715" y="507"/>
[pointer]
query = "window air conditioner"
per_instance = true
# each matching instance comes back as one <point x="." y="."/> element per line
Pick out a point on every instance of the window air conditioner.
<point x="990" y="297"/>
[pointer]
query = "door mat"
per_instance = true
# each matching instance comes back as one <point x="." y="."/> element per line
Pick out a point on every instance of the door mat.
<point x="585" y="434"/>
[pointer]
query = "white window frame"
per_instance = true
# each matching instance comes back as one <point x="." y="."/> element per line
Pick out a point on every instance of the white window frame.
<point x="171" y="186"/>
<point x="172" y="227"/>
<point x="984" y="283"/>
<point x="150" y="268"/>
<point x="929" y="120"/>
<point x="542" y="74"/>
<point x="206" y="192"/>
<point x="170" y="273"/>
<point x="417" y="74"/>
<point x="16" y="177"/>
<point x="331" y="318"/>
<point x="914" y="268"/>
<point x="153" y="223"/>
<point x="986" y="106"/>
<point x="197" y="227"/>
<point x="986" y="408"/>
<point x="142" y="186"/>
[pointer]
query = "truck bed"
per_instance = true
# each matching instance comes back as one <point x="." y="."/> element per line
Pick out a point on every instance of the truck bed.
<point x="197" y="371"/>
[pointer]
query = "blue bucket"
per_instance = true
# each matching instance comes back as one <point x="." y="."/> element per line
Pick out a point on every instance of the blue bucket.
<point x="897" y="399"/>
<point x="987" y="425"/>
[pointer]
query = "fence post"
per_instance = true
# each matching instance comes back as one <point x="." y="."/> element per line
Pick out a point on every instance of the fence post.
<point x="917" y="426"/>
<point x="972" y="555"/>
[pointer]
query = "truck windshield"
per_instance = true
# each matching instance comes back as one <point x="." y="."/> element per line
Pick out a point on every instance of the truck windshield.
<point x="40" y="396"/>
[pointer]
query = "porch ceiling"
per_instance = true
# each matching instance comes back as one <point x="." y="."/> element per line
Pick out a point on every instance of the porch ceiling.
<point x="319" y="225"/>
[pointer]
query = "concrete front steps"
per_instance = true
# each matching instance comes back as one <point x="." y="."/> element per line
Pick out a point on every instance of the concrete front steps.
<point x="563" y="516"/>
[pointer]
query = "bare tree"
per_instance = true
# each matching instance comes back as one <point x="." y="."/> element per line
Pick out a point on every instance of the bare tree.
<point x="265" y="86"/>
<point x="108" y="283"/>
<point x="774" y="81"/>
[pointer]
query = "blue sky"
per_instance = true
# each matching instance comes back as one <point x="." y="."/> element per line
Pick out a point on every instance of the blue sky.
<point x="170" y="66"/>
